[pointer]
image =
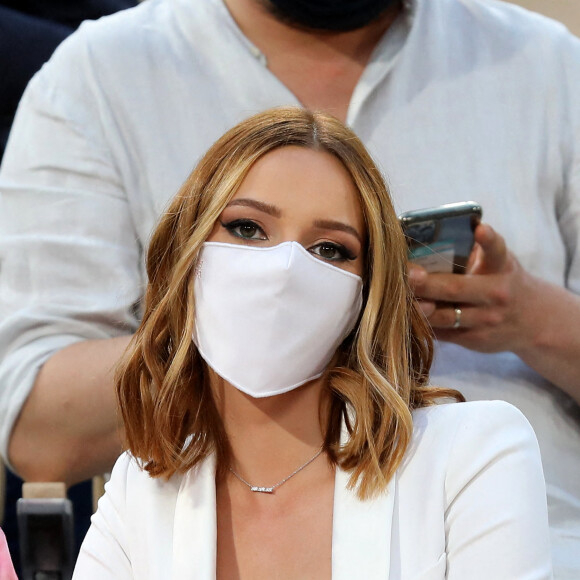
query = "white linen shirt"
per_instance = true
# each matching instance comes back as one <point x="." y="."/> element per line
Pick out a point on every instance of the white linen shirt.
<point x="462" y="99"/>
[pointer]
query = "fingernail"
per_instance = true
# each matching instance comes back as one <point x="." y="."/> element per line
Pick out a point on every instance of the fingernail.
<point x="427" y="307"/>
<point x="417" y="274"/>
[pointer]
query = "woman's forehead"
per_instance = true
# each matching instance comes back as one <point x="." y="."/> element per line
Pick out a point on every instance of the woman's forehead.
<point x="298" y="181"/>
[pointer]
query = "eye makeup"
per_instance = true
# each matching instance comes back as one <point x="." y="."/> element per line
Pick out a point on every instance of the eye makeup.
<point x="248" y="230"/>
<point x="245" y="229"/>
<point x="332" y="252"/>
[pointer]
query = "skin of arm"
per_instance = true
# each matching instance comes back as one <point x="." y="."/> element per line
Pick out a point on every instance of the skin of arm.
<point x="69" y="429"/>
<point x="505" y="308"/>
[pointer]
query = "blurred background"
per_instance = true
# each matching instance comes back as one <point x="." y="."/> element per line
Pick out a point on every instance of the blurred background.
<point x="566" y="11"/>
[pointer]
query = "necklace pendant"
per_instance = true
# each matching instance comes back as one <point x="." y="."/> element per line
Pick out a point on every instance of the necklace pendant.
<point x="262" y="489"/>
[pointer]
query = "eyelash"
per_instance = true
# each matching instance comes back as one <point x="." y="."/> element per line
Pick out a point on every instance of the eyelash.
<point x="235" y="224"/>
<point x="344" y="253"/>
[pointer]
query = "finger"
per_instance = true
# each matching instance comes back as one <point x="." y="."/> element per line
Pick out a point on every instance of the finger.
<point x="459" y="288"/>
<point x="493" y="255"/>
<point x="474" y="259"/>
<point x="427" y="307"/>
<point x="417" y="276"/>
<point x="461" y="336"/>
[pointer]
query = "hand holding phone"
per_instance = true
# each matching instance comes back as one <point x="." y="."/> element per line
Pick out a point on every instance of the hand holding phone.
<point x="440" y="239"/>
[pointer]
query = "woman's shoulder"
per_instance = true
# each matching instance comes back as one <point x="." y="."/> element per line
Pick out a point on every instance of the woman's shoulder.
<point x="473" y="416"/>
<point x="453" y="434"/>
<point x="476" y="466"/>
<point x="444" y="414"/>
<point x="130" y="483"/>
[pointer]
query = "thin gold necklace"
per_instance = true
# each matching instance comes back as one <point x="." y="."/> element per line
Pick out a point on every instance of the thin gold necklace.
<point x="263" y="489"/>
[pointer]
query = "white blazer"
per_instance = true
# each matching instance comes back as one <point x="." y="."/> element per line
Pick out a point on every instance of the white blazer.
<point x="468" y="503"/>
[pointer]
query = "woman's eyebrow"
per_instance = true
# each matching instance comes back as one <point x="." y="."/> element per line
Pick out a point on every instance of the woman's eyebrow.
<point x="259" y="205"/>
<point x="340" y="226"/>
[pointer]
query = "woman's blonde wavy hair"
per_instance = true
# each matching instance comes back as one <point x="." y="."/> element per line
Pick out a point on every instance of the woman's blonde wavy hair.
<point x="382" y="370"/>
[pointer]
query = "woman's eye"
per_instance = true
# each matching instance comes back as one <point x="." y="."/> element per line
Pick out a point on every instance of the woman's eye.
<point x="245" y="229"/>
<point x="332" y="252"/>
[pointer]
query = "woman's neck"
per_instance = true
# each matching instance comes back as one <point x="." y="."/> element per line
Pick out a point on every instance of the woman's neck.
<point x="270" y="437"/>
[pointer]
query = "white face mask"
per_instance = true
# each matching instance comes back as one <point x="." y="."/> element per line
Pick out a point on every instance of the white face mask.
<point x="268" y="320"/>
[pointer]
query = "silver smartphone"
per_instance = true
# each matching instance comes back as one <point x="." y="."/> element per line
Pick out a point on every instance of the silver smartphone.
<point x="440" y="239"/>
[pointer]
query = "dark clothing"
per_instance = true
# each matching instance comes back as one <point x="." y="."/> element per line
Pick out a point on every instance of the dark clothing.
<point x="26" y="42"/>
<point x="30" y="30"/>
<point x="68" y="12"/>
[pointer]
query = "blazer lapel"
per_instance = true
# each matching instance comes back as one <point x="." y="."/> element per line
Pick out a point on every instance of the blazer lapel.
<point x="361" y="534"/>
<point x="195" y="530"/>
<point x="361" y="530"/>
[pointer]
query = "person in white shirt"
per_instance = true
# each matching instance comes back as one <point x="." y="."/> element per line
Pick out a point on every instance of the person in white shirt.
<point x="456" y="99"/>
<point x="275" y="397"/>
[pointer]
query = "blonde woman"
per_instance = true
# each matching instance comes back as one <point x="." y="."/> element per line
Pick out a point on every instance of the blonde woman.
<point x="277" y="410"/>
